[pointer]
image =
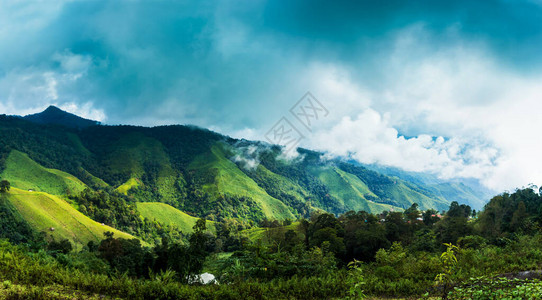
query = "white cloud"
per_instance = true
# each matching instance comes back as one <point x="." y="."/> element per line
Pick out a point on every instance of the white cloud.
<point x="490" y="115"/>
<point x="370" y="139"/>
<point x="30" y="90"/>
<point x="86" y="110"/>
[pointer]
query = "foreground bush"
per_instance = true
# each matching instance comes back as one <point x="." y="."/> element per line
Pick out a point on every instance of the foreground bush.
<point x="40" y="273"/>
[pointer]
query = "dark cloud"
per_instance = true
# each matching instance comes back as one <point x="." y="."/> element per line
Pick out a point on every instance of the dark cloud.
<point x="227" y="60"/>
<point x="443" y="68"/>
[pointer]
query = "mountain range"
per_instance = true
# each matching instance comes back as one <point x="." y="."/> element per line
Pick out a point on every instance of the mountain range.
<point x="195" y="172"/>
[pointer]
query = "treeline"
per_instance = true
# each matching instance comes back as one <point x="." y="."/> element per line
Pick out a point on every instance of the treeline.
<point x="359" y="235"/>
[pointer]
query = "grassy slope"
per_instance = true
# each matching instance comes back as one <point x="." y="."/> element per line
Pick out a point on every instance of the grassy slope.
<point x="24" y="173"/>
<point x="282" y="183"/>
<point x="169" y="215"/>
<point x="128" y="185"/>
<point x="257" y="233"/>
<point x="402" y="193"/>
<point x="223" y="176"/>
<point x="43" y="211"/>
<point x="349" y="189"/>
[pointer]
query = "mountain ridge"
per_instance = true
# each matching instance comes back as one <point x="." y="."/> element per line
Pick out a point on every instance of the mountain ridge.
<point x="171" y="166"/>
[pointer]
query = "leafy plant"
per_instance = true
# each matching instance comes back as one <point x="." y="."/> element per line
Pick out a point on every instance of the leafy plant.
<point x="356" y="280"/>
<point x="449" y="263"/>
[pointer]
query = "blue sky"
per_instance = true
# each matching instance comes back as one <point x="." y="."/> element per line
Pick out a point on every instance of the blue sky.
<point x="449" y="87"/>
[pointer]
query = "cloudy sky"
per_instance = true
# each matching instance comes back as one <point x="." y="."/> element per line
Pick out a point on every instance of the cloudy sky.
<point x="449" y="87"/>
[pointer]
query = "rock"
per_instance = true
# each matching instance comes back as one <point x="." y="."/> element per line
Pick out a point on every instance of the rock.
<point x="523" y="275"/>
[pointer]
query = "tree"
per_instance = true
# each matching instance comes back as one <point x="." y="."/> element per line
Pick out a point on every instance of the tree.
<point x="4" y="186"/>
<point x="196" y="250"/>
<point x="519" y="218"/>
<point x="412" y="212"/>
<point x="430" y="217"/>
<point x="124" y="255"/>
<point x="64" y="247"/>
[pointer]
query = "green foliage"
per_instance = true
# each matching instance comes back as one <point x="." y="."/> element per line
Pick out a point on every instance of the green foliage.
<point x="12" y="225"/>
<point x="64" y="246"/>
<point x="449" y="264"/>
<point x="355" y="280"/>
<point x="45" y="278"/>
<point x="471" y="241"/>
<point x="507" y="213"/>
<point x="258" y="262"/>
<point x="455" y="223"/>
<point x="498" y="288"/>
<point x="125" y="255"/>
<point x="118" y="211"/>
<point x="4" y="186"/>
<point x="281" y="257"/>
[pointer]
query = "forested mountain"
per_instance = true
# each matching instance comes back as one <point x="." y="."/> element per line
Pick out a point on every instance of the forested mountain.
<point x="200" y="172"/>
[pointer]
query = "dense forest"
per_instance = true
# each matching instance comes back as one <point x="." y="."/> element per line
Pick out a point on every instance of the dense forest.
<point x="457" y="253"/>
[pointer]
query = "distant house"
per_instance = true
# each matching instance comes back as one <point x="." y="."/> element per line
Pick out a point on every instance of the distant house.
<point x="30" y="190"/>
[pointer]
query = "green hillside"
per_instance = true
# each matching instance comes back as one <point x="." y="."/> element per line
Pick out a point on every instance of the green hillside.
<point x="26" y="174"/>
<point x="144" y="162"/>
<point x="134" y="153"/>
<point x="407" y="194"/>
<point x="282" y="188"/>
<point x="198" y="172"/>
<point x="43" y="211"/>
<point x="349" y="190"/>
<point x="169" y="215"/>
<point x="222" y="176"/>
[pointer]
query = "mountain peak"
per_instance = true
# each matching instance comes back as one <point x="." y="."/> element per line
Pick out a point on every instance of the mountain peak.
<point x="53" y="108"/>
<point x="57" y="116"/>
